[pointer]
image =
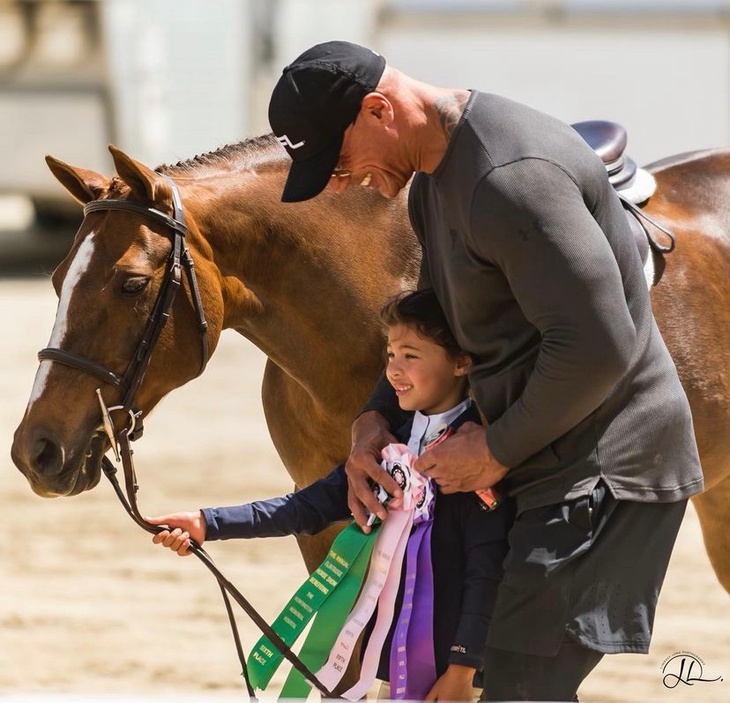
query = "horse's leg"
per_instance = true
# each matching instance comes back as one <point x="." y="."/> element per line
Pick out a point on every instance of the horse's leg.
<point x="308" y="450"/>
<point x="712" y="510"/>
<point x="309" y="443"/>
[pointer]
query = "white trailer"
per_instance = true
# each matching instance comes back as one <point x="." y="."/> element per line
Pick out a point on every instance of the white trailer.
<point x="162" y="79"/>
<point x="167" y="79"/>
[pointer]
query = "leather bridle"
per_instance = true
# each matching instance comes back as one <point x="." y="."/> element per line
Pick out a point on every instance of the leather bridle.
<point x="129" y="382"/>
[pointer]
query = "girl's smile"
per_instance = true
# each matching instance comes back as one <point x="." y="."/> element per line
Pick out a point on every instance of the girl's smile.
<point x="423" y="374"/>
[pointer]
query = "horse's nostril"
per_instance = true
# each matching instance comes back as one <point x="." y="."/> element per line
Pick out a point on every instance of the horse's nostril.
<point x="48" y="457"/>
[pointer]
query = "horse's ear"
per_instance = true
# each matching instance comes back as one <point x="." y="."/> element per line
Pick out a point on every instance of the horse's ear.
<point x="145" y="183"/>
<point x="83" y="184"/>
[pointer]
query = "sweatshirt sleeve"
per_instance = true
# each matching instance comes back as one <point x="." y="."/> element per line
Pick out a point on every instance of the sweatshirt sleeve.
<point x="307" y="511"/>
<point x="486" y="548"/>
<point x="531" y="222"/>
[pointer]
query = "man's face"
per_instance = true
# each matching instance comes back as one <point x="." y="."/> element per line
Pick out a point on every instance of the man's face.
<point x="370" y="157"/>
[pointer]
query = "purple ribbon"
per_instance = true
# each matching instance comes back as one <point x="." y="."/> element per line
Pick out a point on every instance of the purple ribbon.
<point x="412" y="660"/>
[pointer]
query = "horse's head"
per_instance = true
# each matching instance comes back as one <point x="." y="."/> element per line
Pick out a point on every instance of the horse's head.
<point x="108" y="288"/>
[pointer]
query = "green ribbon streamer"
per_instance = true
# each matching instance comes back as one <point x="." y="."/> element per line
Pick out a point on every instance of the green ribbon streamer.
<point x="328" y="623"/>
<point x="265" y="659"/>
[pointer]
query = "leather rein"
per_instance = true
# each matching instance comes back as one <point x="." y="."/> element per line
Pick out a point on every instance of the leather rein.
<point x="129" y="382"/>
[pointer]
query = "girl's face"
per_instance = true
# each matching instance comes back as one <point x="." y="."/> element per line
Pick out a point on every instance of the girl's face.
<point x="422" y="373"/>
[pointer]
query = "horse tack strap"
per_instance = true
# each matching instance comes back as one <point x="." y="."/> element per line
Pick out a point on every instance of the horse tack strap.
<point x="134" y="375"/>
<point x="174" y="223"/>
<point x="129" y="502"/>
<point x="81" y="363"/>
<point x="656" y="246"/>
<point x="130" y="506"/>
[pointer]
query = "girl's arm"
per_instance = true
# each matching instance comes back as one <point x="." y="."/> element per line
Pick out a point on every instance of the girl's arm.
<point x="307" y="511"/>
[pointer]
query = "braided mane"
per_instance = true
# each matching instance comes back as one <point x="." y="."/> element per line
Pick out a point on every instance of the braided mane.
<point x="232" y="157"/>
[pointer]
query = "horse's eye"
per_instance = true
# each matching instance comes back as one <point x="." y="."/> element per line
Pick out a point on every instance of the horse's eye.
<point x="135" y="285"/>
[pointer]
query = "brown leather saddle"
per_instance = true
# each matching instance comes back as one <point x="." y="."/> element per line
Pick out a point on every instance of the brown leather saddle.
<point x="608" y="140"/>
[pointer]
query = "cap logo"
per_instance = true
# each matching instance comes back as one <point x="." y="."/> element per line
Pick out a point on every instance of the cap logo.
<point x="285" y="141"/>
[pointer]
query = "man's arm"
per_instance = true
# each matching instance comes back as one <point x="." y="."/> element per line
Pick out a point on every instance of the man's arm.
<point x="532" y="223"/>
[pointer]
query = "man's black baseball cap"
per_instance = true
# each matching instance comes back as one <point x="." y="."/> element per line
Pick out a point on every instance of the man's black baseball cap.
<point x="316" y="99"/>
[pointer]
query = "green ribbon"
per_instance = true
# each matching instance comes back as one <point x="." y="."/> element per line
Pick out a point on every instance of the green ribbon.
<point x="328" y="623"/>
<point x="342" y="567"/>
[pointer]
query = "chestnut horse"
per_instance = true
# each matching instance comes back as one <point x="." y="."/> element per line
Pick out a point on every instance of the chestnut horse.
<point x="305" y="282"/>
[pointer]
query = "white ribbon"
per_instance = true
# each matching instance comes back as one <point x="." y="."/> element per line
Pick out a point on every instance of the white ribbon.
<point x="383" y="579"/>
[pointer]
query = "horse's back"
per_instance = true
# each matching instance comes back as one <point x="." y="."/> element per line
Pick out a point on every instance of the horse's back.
<point x="697" y="184"/>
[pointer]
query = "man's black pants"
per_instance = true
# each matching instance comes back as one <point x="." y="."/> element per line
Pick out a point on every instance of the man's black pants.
<point x="582" y="578"/>
<point x="514" y="676"/>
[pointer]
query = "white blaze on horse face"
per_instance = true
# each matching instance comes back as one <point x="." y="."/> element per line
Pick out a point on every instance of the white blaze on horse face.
<point x="77" y="269"/>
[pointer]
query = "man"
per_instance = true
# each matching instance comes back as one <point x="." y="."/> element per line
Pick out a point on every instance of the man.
<point x="530" y="254"/>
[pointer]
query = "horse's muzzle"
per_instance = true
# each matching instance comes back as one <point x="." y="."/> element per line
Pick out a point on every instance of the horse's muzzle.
<point x="50" y="469"/>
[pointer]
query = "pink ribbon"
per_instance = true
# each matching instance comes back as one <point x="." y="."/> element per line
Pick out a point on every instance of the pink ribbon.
<point x="381" y="589"/>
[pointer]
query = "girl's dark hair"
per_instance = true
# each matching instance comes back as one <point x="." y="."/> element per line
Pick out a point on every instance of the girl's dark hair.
<point x="421" y="309"/>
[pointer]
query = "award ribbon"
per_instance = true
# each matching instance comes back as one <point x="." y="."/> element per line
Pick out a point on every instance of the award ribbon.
<point x="327" y="623"/>
<point x="381" y="585"/>
<point x="416" y="504"/>
<point x="412" y="658"/>
<point x="265" y="659"/>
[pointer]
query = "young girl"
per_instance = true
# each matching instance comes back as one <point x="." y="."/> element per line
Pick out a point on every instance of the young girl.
<point x="428" y="371"/>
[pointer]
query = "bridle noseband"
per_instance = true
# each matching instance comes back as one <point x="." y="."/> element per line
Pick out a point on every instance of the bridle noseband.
<point x="130" y="381"/>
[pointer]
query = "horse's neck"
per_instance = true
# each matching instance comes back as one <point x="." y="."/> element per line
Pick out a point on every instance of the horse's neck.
<point x="304" y="282"/>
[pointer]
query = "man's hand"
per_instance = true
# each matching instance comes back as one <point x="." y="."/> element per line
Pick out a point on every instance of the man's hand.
<point x="184" y="527"/>
<point x="370" y="433"/>
<point x="463" y="462"/>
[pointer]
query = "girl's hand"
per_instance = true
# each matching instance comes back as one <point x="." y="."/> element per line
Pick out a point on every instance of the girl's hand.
<point x="184" y="526"/>
<point x="455" y="684"/>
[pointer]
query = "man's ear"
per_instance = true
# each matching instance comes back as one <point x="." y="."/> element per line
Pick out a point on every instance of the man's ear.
<point x="378" y="106"/>
<point x="463" y="364"/>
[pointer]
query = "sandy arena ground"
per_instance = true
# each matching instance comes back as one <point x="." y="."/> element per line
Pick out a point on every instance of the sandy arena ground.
<point x="89" y="607"/>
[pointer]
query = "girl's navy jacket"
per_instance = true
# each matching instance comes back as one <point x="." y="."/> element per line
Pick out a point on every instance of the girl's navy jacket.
<point x="468" y="546"/>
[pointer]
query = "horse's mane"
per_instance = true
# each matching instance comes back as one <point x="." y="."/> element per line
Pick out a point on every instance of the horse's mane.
<point x="265" y="152"/>
<point x="232" y="157"/>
